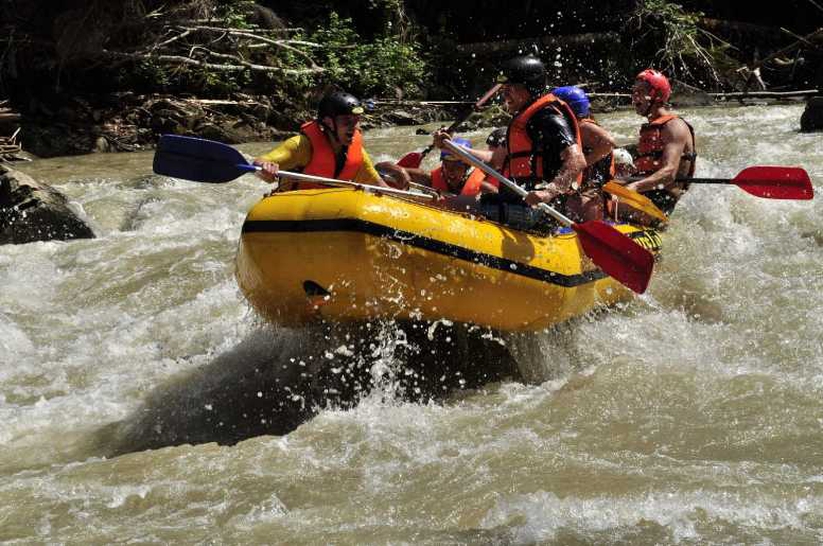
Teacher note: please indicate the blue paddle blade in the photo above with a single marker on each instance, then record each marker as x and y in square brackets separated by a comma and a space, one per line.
[199, 160]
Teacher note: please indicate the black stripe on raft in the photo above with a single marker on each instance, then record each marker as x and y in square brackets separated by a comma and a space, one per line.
[425, 243]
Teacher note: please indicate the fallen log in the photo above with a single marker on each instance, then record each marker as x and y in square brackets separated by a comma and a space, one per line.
[766, 94]
[575, 40]
[240, 67]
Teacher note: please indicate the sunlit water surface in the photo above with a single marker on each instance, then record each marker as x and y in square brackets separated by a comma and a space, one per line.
[692, 415]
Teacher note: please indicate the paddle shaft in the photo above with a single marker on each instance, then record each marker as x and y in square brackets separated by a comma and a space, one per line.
[461, 152]
[480, 102]
[686, 180]
[300, 177]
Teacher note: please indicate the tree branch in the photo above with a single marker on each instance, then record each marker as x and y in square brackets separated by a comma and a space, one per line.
[243, 65]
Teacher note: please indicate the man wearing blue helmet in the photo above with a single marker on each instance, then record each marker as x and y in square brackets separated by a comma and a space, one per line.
[588, 203]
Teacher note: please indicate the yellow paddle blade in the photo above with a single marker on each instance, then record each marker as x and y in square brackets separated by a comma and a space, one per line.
[635, 200]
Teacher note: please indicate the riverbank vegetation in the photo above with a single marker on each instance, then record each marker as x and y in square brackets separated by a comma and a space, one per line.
[113, 74]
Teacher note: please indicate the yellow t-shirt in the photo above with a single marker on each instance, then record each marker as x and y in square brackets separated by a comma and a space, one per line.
[295, 153]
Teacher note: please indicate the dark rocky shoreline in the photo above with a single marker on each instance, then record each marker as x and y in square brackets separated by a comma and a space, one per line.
[125, 122]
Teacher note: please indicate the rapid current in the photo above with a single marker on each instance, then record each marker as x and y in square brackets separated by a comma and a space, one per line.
[133, 378]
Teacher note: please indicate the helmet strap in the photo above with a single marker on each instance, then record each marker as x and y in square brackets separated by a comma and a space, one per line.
[331, 131]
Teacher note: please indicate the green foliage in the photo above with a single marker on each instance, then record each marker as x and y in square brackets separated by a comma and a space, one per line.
[235, 12]
[217, 84]
[686, 48]
[145, 76]
[368, 68]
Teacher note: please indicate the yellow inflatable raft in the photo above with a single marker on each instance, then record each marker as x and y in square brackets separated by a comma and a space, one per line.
[341, 254]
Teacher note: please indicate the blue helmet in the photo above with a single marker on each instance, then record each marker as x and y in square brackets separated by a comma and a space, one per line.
[575, 97]
[445, 154]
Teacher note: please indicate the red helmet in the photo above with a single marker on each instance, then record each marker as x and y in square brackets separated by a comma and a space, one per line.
[659, 84]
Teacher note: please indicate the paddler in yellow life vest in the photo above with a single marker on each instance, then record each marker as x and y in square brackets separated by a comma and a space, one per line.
[666, 150]
[543, 151]
[330, 146]
[588, 203]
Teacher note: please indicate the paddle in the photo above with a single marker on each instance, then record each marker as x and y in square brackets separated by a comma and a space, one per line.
[412, 160]
[771, 182]
[635, 200]
[613, 252]
[202, 160]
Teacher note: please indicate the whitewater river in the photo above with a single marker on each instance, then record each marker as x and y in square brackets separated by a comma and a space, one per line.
[692, 415]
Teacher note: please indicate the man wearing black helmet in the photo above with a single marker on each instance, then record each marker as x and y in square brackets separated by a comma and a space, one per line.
[543, 151]
[330, 146]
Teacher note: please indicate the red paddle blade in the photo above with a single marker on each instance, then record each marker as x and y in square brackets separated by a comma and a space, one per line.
[616, 254]
[411, 160]
[775, 182]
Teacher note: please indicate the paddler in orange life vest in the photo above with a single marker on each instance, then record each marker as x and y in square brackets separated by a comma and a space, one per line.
[452, 176]
[492, 156]
[457, 182]
[598, 144]
[543, 152]
[330, 146]
[666, 151]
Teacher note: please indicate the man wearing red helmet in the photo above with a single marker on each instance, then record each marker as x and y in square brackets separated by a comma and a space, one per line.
[666, 150]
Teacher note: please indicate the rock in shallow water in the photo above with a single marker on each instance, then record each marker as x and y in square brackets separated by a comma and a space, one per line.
[31, 211]
[812, 118]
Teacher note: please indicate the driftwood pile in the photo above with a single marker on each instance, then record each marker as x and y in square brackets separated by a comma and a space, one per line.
[213, 45]
[9, 130]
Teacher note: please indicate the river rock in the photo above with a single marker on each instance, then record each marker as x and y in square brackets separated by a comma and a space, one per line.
[812, 118]
[687, 96]
[31, 211]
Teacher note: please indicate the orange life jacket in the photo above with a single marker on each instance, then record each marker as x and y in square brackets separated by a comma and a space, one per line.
[470, 187]
[524, 163]
[603, 170]
[650, 147]
[322, 156]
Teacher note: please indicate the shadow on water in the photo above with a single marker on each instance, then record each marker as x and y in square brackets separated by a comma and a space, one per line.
[277, 379]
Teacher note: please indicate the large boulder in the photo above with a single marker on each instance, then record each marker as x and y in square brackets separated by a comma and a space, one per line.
[812, 118]
[31, 211]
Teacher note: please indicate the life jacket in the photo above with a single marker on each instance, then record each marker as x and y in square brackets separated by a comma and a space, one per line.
[650, 147]
[524, 162]
[600, 172]
[470, 187]
[323, 161]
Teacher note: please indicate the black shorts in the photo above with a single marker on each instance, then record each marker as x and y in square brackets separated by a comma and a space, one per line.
[518, 215]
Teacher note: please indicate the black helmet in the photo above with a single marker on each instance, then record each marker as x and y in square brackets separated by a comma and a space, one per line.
[526, 70]
[338, 103]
